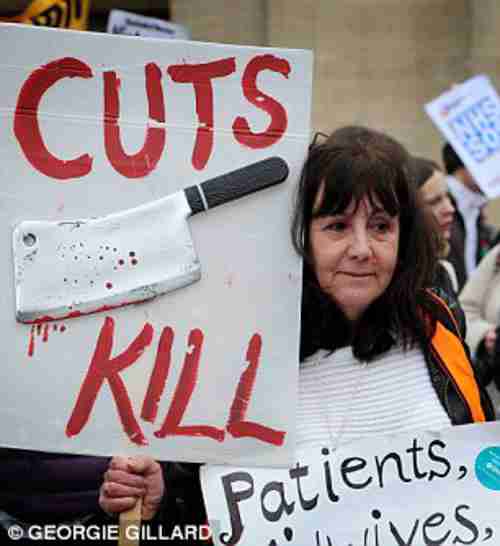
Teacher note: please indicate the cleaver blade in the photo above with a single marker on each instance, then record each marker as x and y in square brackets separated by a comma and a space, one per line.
[72, 268]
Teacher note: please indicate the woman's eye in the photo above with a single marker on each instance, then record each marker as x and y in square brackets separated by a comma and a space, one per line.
[382, 227]
[336, 226]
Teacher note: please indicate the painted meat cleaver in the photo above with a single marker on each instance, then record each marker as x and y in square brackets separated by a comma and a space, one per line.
[66, 269]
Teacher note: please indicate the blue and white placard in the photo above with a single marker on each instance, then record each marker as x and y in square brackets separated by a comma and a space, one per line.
[468, 116]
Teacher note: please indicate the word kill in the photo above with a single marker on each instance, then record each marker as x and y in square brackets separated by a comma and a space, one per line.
[104, 368]
[201, 76]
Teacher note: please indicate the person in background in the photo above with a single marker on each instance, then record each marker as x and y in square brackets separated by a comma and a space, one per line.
[480, 299]
[375, 338]
[433, 191]
[471, 237]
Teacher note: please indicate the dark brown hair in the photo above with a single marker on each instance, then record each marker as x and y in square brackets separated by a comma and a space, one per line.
[423, 169]
[452, 161]
[349, 164]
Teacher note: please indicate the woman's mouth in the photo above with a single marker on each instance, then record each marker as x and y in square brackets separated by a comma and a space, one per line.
[356, 274]
[446, 228]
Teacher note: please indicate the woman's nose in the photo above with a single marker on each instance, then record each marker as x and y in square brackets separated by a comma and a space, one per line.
[446, 211]
[449, 205]
[359, 247]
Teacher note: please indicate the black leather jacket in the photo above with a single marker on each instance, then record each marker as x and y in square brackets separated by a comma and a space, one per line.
[486, 238]
[449, 394]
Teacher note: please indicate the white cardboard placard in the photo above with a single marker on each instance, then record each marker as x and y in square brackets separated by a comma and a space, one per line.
[75, 111]
[395, 490]
[133, 24]
[468, 116]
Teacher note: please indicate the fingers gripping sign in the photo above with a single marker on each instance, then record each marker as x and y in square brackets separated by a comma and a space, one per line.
[133, 487]
[152, 474]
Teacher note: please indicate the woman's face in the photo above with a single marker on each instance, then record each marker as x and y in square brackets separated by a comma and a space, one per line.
[435, 196]
[354, 254]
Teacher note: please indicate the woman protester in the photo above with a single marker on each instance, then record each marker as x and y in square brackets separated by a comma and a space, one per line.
[480, 299]
[375, 338]
[433, 191]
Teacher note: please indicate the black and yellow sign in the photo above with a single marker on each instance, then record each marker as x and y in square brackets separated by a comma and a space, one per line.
[54, 13]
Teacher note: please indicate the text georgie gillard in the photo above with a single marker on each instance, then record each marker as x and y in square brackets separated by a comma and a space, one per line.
[108, 532]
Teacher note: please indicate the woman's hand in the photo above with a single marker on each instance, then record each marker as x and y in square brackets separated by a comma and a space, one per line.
[129, 478]
[490, 340]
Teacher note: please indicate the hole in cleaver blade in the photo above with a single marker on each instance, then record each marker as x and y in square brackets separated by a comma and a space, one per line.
[67, 269]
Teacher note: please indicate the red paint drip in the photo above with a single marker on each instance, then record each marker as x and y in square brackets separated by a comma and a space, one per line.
[134, 261]
[54, 327]
[76, 314]
[38, 329]
[158, 376]
[62, 328]
[183, 391]
[109, 285]
[237, 426]
[45, 333]
[31, 346]
[121, 262]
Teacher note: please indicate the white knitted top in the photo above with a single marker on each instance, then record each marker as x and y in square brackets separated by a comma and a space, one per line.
[341, 399]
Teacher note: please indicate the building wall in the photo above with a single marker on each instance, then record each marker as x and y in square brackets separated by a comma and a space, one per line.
[224, 21]
[378, 62]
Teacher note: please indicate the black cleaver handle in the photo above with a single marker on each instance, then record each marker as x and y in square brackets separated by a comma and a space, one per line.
[235, 184]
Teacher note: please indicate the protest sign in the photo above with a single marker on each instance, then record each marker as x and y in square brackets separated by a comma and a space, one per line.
[94, 126]
[468, 116]
[132, 24]
[54, 13]
[433, 488]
